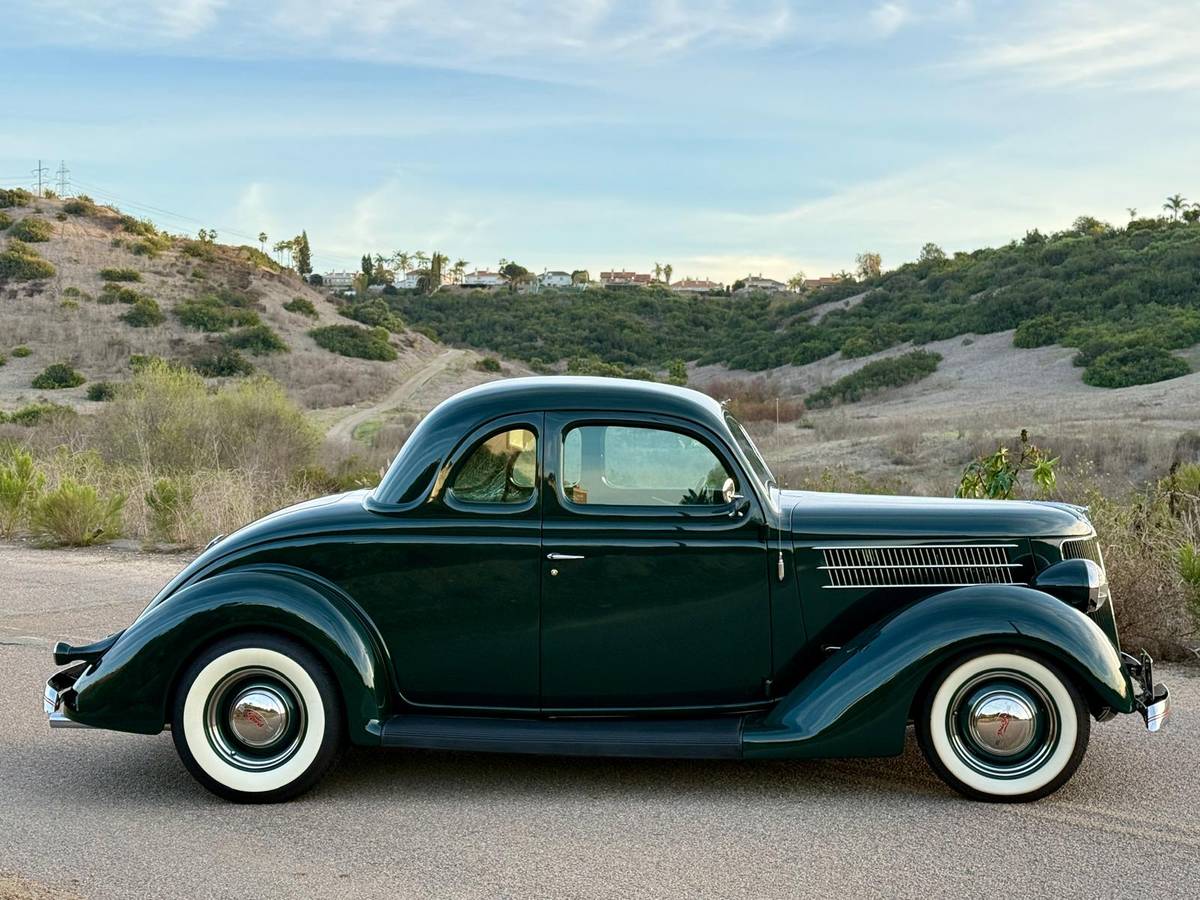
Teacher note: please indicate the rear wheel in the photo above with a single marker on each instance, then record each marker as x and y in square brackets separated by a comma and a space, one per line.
[257, 719]
[1003, 727]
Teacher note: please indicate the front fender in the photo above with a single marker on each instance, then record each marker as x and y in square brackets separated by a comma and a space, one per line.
[857, 701]
[130, 688]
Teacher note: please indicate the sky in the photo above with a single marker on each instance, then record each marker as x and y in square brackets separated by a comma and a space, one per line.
[720, 136]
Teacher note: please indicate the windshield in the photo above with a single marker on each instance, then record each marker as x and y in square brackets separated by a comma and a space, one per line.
[757, 463]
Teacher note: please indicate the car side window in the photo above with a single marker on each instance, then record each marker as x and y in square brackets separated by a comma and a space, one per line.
[626, 465]
[500, 469]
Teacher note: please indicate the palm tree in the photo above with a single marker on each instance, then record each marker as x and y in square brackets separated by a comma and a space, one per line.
[420, 258]
[658, 271]
[796, 282]
[1175, 204]
[667, 270]
[402, 260]
[262, 240]
[459, 269]
[1132, 210]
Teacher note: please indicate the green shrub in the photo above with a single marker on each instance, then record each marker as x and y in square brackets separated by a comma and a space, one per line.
[20, 484]
[32, 229]
[170, 503]
[15, 197]
[80, 206]
[258, 340]
[5, 221]
[120, 274]
[140, 361]
[145, 313]
[260, 259]
[115, 293]
[1134, 365]
[3, 359]
[35, 413]
[301, 306]
[875, 376]
[352, 340]
[140, 227]
[488, 364]
[56, 377]
[217, 311]
[20, 262]
[100, 391]
[997, 476]
[21, 352]
[374, 312]
[222, 364]
[77, 515]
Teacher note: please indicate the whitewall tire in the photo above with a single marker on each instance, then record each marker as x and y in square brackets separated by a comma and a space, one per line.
[257, 719]
[1003, 726]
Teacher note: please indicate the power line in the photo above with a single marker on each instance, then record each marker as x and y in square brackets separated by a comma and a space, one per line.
[38, 173]
[62, 174]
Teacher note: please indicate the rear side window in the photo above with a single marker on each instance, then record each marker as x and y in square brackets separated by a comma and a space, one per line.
[500, 469]
[622, 465]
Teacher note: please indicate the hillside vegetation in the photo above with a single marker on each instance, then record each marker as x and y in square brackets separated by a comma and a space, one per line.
[1125, 297]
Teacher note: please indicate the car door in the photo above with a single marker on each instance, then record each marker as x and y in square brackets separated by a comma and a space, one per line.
[655, 591]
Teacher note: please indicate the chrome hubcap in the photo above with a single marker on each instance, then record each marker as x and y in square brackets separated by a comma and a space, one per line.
[254, 719]
[1002, 724]
[258, 716]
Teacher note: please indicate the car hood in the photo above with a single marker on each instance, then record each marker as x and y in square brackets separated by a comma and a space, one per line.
[343, 512]
[816, 515]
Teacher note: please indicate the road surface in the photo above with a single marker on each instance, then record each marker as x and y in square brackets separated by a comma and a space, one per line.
[108, 815]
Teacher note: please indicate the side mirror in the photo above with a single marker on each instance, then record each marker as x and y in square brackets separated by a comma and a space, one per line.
[729, 490]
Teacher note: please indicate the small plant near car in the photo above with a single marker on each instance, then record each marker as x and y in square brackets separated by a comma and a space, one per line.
[20, 484]
[355, 341]
[20, 262]
[77, 515]
[120, 274]
[101, 391]
[258, 340]
[169, 501]
[997, 476]
[488, 364]
[302, 306]
[32, 229]
[57, 377]
[145, 313]
[1189, 571]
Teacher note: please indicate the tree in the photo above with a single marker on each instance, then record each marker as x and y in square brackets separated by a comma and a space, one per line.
[402, 260]
[796, 282]
[368, 267]
[1090, 226]
[262, 241]
[1132, 210]
[580, 276]
[420, 259]
[868, 265]
[303, 254]
[1193, 214]
[437, 262]
[932, 255]
[516, 274]
[1175, 204]
[658, 270]
[667, 270]
[459, 268]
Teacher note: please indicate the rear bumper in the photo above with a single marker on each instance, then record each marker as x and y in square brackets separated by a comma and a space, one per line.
[1151, 699]
[59, 694]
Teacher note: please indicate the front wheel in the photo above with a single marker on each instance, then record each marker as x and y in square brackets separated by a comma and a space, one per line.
[1003, 727]
[257, 719]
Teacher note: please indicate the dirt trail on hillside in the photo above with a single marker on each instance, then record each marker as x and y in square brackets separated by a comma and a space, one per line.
[404, 392]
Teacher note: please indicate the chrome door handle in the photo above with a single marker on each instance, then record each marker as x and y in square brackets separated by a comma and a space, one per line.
[557, 556]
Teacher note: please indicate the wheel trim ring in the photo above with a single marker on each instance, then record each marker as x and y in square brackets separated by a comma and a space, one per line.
[225, 743]
[975, 754]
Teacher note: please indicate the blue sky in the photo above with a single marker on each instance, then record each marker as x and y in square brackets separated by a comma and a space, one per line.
[722, 137]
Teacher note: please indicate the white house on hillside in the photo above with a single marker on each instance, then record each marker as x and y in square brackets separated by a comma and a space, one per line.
[483, 279]
[555, 279]
[338, 281]
[696, 286]
[758, 283]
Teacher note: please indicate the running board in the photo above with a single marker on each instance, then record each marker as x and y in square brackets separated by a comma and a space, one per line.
[715, 738]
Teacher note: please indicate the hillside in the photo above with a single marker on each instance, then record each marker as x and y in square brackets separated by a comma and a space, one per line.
[120, 289]
[1125, 298]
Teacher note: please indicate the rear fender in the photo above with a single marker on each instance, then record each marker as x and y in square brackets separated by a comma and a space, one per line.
[857, 701]
[131, 686]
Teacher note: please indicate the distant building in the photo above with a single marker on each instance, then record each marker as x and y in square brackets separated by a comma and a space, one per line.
[759, 283]
[813, 284]
[624, 279]
[554, 279]
[483, 279]
[696, 286]
[339, 281]
[411, 280]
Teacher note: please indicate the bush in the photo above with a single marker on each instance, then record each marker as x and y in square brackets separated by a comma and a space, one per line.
[20, 483]
[169, 501]
[217, 311]
[3, 359]
[120, 274]
[35, 413]
[875, 376]
[374, 312]
[20, 262]
[488, 364]
[302, 306]
[5, 221]
[32, 229]
[80, 206]
[259, 340]
[77, 515]
[56, 377]
[115, 293]
[351, 340]
[21, 352]
[100, 391]
[222, 364]
[1134, 365]
[145, 313]
[15, 197]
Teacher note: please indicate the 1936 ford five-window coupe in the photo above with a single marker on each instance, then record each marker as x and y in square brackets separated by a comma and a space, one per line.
[604, 567]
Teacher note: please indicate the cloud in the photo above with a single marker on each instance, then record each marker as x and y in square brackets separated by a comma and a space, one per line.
[888, 18]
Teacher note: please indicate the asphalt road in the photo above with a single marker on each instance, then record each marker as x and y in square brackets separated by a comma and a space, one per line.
[109, 815]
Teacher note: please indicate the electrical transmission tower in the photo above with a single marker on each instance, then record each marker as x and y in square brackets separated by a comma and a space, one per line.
[40, 173]
[62, 174]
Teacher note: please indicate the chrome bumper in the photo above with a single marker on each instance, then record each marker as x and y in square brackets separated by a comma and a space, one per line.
[1154, 701]
[57, 690]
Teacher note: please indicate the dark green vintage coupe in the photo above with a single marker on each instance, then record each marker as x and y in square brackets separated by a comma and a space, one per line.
[603, 567]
